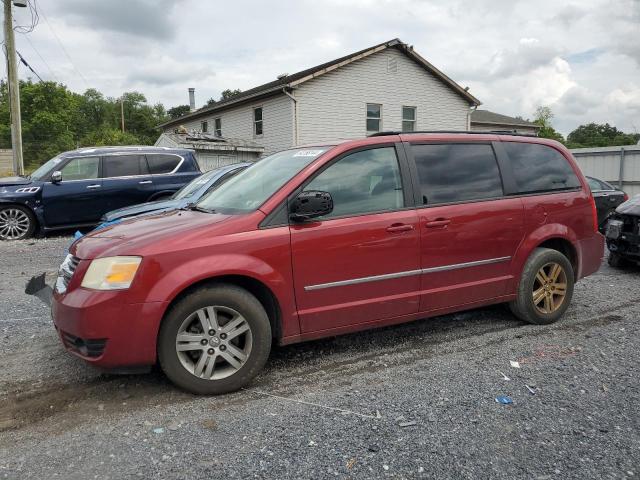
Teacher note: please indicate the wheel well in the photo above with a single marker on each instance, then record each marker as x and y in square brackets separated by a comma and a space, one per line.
[258, 289]
[566, 248]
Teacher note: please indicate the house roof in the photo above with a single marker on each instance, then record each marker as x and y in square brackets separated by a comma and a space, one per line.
[290, 81]
[205, 141]
[492, 118]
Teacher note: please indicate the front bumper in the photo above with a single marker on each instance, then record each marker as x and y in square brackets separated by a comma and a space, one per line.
[105, 331]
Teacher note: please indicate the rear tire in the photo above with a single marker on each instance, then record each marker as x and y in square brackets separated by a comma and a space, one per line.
[214, 340]
[545, 289]
[16, 222]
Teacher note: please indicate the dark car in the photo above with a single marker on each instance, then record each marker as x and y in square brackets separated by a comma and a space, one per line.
[75, 189]
[623, 233]
[607, 198]
[190, 193]
[331, 239]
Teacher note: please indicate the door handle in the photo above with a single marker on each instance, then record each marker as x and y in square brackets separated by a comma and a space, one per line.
[399, 227]
[437, 223]
[145, 182]
[91, 187]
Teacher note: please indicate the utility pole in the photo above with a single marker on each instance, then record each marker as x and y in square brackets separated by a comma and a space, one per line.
[122, 112]
[14, 90]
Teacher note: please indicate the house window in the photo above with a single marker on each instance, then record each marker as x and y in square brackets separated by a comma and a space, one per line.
[257, 121]
[204, 126]
[408, 119]
[374, 117]
[217, 127]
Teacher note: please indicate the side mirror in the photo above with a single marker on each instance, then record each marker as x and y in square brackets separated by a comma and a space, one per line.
[310, 204]
[56, 177]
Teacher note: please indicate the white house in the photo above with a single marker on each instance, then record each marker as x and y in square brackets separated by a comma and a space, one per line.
[382, 88]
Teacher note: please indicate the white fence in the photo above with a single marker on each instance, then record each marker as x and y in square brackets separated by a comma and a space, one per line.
[620, 166]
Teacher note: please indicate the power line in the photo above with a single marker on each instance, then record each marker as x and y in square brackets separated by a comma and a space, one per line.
[28, 66]
[41, 58]
[63, 49]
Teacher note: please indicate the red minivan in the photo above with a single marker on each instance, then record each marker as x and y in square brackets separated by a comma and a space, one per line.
[330, 239]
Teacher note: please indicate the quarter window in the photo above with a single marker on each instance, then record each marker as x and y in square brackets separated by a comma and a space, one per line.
[408, 119]
[159, 163]
[217, 127]
[84, 168]
[204, 126]
[363, 182]
[123, 165]
[457, 172]
[257, 121]
[374, 117]
[539, 168]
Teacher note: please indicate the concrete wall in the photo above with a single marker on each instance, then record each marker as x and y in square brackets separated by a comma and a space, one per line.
[277, 115]
[333, 106]
[604, 163]
[6, 161]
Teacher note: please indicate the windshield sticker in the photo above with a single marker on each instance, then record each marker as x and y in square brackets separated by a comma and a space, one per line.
[308, 153]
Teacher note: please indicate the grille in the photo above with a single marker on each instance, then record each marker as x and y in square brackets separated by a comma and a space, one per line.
[65, 273]
[88, 348]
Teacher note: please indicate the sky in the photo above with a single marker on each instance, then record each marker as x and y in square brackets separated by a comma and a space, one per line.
[582, 59]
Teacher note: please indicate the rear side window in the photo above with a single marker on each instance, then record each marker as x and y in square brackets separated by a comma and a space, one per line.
[457, 172]
[539, 168]
[123, 165]
[159, 163]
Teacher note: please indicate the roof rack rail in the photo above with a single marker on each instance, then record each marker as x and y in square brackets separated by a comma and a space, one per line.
[467, 132]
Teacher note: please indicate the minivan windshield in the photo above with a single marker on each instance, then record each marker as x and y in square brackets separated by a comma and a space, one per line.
[43, 170]
[251, 188]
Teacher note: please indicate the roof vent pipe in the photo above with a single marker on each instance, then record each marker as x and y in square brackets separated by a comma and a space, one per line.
[192, 99]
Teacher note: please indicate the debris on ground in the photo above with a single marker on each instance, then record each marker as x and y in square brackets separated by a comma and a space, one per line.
[531, 390]
[504, 400]
[514, 364]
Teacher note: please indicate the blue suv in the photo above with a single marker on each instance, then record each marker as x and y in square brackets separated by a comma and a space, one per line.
[75, 189]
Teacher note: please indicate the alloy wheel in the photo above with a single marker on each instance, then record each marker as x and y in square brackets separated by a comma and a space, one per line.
[214, 342]
[549, 288]
[14, 223]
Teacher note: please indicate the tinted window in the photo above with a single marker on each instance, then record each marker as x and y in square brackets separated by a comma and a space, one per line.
[81, 169]
[162, 163]
[366, 181]
[539, 168]
[457, 172]
[123, 165]
[594, 184]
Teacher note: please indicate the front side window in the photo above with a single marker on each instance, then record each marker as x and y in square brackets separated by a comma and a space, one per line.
[408, 119]
[363, 182]
[539, 168]
[252, 187]
[457, 172]
[123, 166]
[84, 168]
[159, 163]
[204, 126]
[374, 117]
[257, 121]
[218, 127]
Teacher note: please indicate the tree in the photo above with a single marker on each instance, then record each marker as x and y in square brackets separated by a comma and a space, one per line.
[227, 94]
[543, 117]
[179, 111]
[598, 135]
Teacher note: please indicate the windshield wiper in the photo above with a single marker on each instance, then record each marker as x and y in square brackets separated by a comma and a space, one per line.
[197, 208]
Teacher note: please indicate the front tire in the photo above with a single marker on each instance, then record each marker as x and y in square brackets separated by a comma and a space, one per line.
[545, 289]
[214, 340]
[16, 223]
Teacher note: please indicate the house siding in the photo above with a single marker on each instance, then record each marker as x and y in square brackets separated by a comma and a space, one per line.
[333, 105]
[277, 115]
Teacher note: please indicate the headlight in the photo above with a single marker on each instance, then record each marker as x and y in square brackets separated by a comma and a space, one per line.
[111, 273]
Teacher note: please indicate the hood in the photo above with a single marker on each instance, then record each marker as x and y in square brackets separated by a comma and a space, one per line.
[630, 207]
[10, 181]
[141, 208]
[137, 236]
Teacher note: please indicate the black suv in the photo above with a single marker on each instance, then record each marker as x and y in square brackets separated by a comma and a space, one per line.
[76, 188]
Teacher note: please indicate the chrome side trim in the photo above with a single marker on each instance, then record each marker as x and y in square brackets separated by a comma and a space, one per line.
[355, 281]
[408, 273]
[455, 266]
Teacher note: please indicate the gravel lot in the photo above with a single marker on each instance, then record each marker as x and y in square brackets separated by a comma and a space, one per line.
[414, 401]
